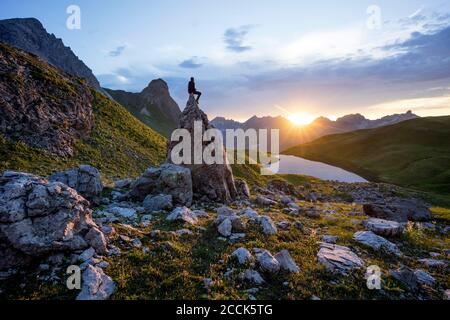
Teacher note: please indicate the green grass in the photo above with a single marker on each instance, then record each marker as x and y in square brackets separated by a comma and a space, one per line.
[119, 145]
[413, 154]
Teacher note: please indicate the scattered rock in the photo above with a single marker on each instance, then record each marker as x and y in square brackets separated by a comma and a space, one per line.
[182, 214]
[383, 227]
[96, 285]
[122, 184]
[286, 262]
[406, 276]
[338, 259]
[86, 255]
[200, 214]
[242, 188]
[242, 255]
[184, 232]
[433, 263]
[400, 210]
[329, 239]
[136, 243]
[39, 218]
[85, 180]
[225, 211]
[124, 213]
[283, 225]
[168, 179]
[263, 201]
[97, 240]
[238, 226]
[424, 277]
[250, 213]
[267, 262]
[225, 227]
[267, 225]
[376, 242]
[252, 276]
[160, 202]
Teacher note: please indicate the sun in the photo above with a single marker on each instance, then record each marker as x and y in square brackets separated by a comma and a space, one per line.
[301, 118]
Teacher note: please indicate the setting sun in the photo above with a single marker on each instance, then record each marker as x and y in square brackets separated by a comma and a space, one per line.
[301, 118]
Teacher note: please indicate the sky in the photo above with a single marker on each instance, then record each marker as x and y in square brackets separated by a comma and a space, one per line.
[298, 59]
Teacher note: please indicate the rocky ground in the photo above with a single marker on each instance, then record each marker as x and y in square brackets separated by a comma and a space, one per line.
[306, 240]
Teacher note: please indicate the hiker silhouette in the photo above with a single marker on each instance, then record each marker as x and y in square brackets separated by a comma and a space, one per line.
[192, 90]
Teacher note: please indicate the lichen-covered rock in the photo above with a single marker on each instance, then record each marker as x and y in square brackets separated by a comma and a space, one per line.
[96, 285]
[38, 218]
[286, 262]
[267, 262]
[383, 227]
[267, 225]
[376, 242]
[214, 181]
[85, 180]
[242, 255]
[167, 179]
[159, 202]
[338, 259]
[400, 210]
[182, 214]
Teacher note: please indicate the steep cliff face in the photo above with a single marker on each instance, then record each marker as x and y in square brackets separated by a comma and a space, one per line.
[153, 106]
[40, 106]
[28, 34]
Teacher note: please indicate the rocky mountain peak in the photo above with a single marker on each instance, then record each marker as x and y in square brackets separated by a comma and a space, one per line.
[30, 35]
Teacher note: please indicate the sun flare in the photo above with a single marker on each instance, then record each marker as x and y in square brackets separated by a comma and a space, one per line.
[301, 118]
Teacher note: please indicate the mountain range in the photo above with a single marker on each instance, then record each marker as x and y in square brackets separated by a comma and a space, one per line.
[292, 134]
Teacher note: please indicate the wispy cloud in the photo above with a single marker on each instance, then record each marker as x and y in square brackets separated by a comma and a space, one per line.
[191, 63]
[117, 51]
[234, 38]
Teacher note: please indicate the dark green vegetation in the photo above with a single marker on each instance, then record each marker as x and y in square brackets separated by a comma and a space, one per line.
[119, 145]
[413, 154]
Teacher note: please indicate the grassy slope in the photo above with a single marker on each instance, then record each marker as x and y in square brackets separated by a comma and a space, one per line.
[156, 120]
[414, 153]
[119, 146]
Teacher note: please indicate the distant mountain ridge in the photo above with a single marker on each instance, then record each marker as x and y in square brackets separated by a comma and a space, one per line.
[291, 134]
[30, 35]
[153, 106]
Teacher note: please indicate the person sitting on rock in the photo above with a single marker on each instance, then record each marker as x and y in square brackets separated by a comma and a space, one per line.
[193, 90]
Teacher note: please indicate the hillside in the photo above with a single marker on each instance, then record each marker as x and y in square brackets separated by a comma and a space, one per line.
[413, 153]
[153, 106]
[115, 142]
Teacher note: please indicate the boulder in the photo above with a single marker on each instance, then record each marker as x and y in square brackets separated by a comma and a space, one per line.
[383, 227]
[167, 179]
[85, 180]
[225, 227]
[338, 259]
[267, 225]
[406, 276]
[161, 202]
[263, 201]
[424, 277]
[242, 255]
[39, 218]
[215, 181]
[267, 262]
[400, 210]
[286, 262]
[252, 276]
[96, 285]
[242, 189]
[249, 213]
[182, 214]
[370, 239]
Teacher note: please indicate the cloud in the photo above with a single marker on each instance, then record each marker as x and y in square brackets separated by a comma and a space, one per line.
[234, 38]
[117, 51]
[191, 63]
